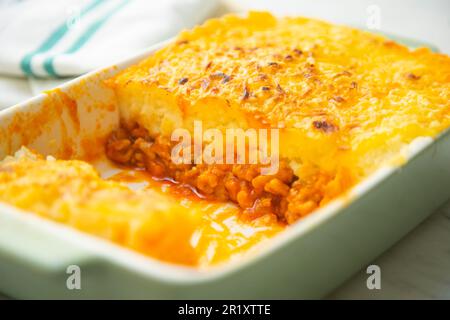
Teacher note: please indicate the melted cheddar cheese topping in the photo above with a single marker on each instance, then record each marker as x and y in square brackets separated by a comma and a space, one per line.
[346, 101]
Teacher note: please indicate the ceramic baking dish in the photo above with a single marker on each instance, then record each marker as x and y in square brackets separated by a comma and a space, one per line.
[308, 260]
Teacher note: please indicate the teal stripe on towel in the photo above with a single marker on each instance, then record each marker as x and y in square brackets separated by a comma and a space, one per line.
[81, 41]
[53, 39]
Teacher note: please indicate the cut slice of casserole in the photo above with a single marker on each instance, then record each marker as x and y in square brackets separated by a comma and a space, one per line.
[152, 220]
[345, 102]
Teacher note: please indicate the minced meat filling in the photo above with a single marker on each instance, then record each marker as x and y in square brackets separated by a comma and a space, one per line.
[280, 196]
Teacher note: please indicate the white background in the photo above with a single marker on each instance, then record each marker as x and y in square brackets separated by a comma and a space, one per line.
[426, 20]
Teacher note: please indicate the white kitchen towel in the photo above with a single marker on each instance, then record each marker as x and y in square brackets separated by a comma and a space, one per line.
[64, 38]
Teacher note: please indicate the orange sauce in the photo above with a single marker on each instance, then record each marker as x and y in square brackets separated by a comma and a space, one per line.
[222, 234]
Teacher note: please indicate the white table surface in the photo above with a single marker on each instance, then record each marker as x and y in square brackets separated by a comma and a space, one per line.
[418, 267]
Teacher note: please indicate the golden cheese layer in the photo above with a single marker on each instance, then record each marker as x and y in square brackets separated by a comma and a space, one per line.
[342, 98]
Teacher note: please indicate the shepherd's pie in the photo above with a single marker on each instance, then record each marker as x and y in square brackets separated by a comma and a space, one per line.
[345, 102]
